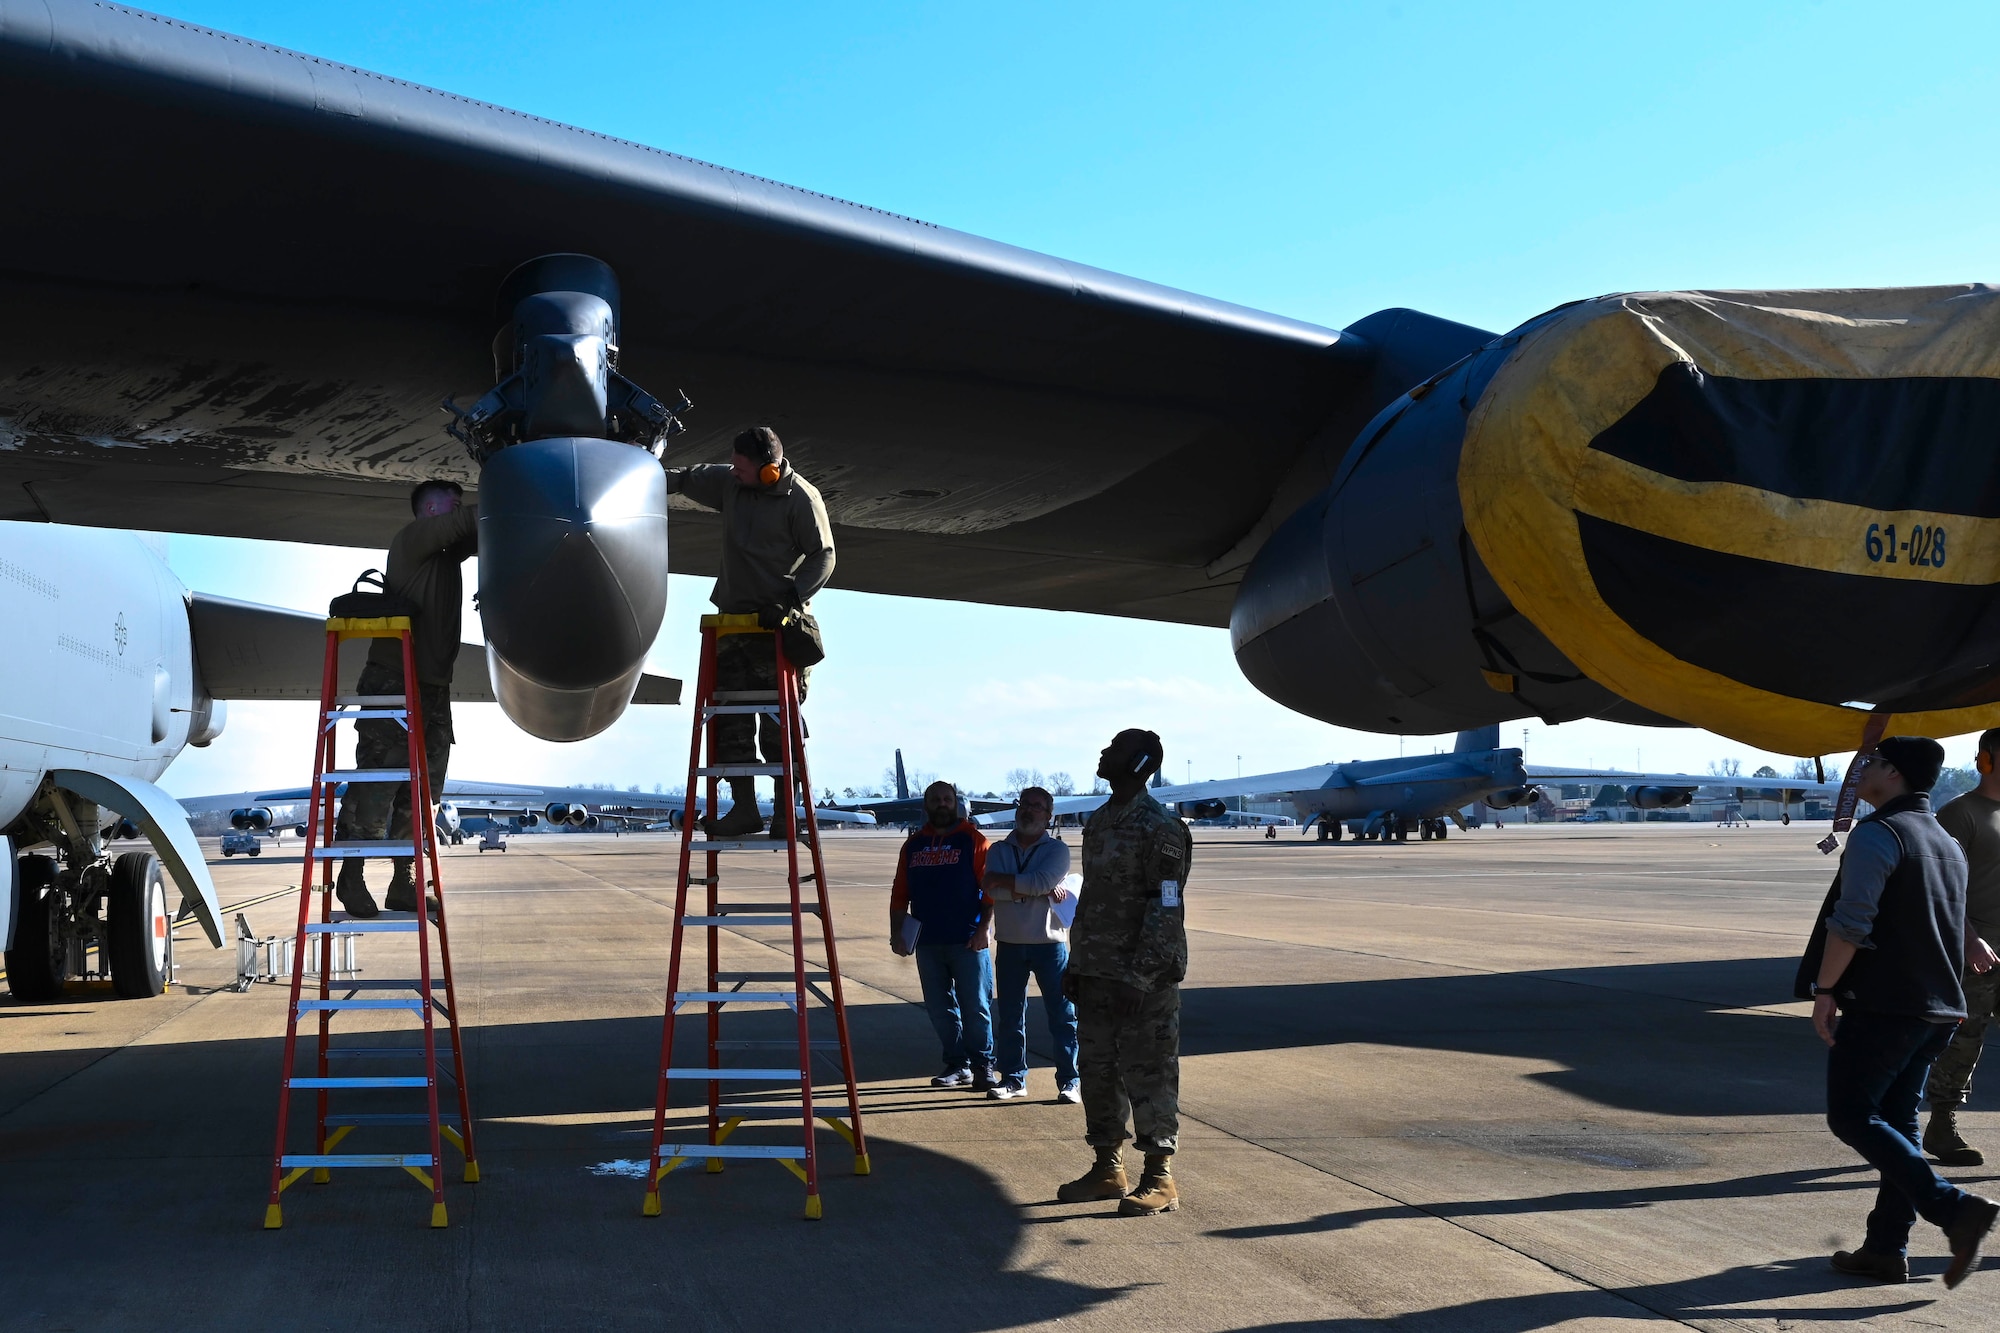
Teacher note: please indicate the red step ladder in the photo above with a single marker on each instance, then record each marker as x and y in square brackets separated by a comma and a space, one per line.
[321, 852]
[795, 988]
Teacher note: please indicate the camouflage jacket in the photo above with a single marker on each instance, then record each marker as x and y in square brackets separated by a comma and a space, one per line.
[1130, 921]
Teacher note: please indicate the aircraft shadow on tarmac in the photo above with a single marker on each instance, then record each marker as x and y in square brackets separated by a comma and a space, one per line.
[160, 1152]
[1662, 1038]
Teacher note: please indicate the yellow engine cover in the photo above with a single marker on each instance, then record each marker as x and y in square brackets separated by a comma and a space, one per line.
[1764, 513]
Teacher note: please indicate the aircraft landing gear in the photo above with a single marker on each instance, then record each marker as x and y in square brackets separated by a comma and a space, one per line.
[138, 930]
[39, 960]
[86, 902]
[1402, 829]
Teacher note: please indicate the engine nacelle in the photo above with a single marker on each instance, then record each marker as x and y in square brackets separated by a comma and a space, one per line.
[1659, 798]
[1211, 809]
[255, 819]
[1513, 796]
[573, 815]
[590, 822]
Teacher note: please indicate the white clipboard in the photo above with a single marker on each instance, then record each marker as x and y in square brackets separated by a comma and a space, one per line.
[1065, 911]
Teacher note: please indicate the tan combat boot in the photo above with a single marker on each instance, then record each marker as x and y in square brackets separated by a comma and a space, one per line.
[1941, 1139]
[1156, 1192]
[742, 821]
[1104, 1180]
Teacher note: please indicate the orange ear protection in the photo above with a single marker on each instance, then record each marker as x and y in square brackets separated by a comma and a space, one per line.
[1983, 762]
[770, 473]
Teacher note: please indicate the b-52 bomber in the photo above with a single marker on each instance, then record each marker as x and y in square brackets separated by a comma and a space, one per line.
[255, 293]
[1387, 799]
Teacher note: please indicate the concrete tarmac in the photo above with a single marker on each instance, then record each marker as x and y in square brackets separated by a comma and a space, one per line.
[1545, 1078]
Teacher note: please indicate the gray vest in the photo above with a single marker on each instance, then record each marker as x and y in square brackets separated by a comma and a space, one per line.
[1919, 931]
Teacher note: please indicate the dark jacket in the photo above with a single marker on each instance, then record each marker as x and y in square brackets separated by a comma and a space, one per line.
[938, 877]
[1916, 943]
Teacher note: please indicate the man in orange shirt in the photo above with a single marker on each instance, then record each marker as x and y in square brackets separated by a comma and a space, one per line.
[939, 912]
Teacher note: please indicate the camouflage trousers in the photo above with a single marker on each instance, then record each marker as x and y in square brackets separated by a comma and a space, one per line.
[1129, 1066]
[748, 662]
[1951, 1074]
[380, 811]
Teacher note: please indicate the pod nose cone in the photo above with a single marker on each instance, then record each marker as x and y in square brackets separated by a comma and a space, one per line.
[572, 579]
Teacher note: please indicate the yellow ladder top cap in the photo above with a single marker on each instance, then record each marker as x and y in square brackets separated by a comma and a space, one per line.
[738, 623]
[371, 627]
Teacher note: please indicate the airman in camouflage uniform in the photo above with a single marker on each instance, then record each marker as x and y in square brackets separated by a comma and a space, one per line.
[1128, 954]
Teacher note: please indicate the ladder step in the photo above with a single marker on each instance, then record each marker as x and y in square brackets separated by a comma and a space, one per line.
[775, 1044]
[361, 1081]
[811, 975]
[737, 710]
[370, 700]
[355, 1159]
[741, 771]
[744, 844]
[415, 1006]
[386, 1052]
[731, 1110]
[395, 1118]
[381, 983]
[365, 775]
[343, 924]
[735, 997]
[725, 908]
[746, 696]
[357, 714]
[342, 850]
[728, 1074]
[738, 920]
[668, 1150]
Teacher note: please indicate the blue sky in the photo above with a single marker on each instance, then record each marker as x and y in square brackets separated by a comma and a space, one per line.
[1477, 161]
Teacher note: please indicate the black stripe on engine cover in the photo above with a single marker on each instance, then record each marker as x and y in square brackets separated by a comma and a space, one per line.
[1926, 444]
[1801, 633]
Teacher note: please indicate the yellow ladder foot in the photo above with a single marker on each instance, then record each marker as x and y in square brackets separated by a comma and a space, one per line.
[274, 1217]
[322, 1175]
[472, 1173]
[652, 1208]
[437, 1215]
[812, 1207]
[715, 1166]
[861, 1167]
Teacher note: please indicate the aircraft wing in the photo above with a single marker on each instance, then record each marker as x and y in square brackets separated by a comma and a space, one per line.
[1251, 784]
[1800, 787]
[249, 651]
[253, 331]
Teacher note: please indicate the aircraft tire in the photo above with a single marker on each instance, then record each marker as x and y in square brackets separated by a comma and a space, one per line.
[36, 963]
[139, 933]
[1402, 831]
[1334, 830]
[1443, 829]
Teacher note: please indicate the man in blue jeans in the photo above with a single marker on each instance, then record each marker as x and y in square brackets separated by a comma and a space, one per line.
[1024, 880]
[1887, 998]
[937, 891]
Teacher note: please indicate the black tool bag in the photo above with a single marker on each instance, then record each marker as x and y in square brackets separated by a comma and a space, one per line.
[370, 602]
[800, 633]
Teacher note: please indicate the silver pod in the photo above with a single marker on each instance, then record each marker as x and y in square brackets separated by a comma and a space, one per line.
[572, 579]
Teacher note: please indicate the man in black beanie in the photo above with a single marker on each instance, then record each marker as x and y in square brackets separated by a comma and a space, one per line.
[1887, 999]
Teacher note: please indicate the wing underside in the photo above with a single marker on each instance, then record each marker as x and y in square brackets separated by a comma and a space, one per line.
[253, 332]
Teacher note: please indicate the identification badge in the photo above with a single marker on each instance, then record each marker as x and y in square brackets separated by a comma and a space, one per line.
[1170, 893]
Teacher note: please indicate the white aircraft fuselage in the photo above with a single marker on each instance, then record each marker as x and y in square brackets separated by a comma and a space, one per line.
[102, 691]
[98, 660]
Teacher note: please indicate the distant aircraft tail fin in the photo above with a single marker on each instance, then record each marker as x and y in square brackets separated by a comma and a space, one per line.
[903, 783]
[1479, 738]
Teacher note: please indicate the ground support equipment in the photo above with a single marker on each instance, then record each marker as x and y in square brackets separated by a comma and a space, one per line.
[317, 932]
[795, 987]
